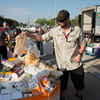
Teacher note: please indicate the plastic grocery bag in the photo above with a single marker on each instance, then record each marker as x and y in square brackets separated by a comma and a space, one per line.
[31, 47]
[20, 44]
[23, 43]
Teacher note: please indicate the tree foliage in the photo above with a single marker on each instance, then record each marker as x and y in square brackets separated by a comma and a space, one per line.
[75, 21]
[42, 21]
[22, 24]
[9, 21]
[51, 22]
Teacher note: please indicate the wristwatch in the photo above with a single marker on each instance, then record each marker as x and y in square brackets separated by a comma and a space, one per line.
[81, 54]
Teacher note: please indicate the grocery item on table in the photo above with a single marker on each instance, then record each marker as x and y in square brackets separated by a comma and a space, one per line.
[22, 85]
[27, 95]
[31, 69]
[17, 73]
[31, 59]
[35, 87]
[7, 63]
[45, 81]
[5, 76]
[54, 73]
[6, 69]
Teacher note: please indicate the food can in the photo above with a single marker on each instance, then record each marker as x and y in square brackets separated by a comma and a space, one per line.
[17, 73]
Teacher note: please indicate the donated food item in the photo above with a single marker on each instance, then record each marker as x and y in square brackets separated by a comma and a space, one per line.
[5, 76]
[7, 63]
[46, 85]
[20, 44]
[6, 69]
[44, 90]
[31, 69]
[20, 65]
[51, 79]
[26, 75]
[17, 61]
[27, 95]
[17, 73]
[19, 86]
[45, 81]
[54, 73]
[35, 87]
[31, 59]
[25, 52]
[16, 95]
[22, 85]
[43, 72]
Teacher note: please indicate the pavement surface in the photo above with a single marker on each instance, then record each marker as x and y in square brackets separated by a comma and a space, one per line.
[92, 78]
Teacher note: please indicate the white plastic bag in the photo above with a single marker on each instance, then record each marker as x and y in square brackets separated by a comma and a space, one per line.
[31, 47]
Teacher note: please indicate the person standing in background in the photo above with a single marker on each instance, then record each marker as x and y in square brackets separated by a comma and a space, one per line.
[3, 48]
[8, 37]
[5, 26]
[13, 32]
[40, 44]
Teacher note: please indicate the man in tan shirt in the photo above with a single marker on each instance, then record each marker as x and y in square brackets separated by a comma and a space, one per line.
[67, 39]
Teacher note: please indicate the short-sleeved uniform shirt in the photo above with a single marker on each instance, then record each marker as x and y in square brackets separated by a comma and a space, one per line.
[11, 32]
[66, 51]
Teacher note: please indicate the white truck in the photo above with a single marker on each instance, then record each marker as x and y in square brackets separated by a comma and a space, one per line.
[89, 21]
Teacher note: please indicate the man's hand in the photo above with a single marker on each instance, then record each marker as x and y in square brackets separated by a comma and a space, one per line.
[77, 59]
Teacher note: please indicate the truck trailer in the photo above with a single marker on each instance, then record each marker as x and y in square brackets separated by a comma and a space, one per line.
[89, 21]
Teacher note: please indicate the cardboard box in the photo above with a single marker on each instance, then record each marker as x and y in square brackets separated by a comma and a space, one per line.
[53, 95]
[90, 49]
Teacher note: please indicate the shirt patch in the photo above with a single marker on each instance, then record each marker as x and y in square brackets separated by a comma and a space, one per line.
[58, 35]
[72, 35]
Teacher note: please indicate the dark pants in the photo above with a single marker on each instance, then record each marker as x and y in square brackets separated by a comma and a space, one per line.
[77, 77]
[3, 51]
[40, 47]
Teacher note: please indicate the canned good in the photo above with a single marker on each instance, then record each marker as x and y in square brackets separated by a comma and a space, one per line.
[7, 69]
[7, 63]
[17, 73]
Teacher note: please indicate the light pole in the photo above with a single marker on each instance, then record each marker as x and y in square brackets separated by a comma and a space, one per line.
[34, 19]
[55, 10]
[28, 21]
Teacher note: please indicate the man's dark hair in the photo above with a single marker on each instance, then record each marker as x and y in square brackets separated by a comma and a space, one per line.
[9, 25]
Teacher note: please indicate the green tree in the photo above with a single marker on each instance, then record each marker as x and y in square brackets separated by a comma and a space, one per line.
[75, 21]
[1, 18]
[9, 21]
[15, 23]
[22, 24]
[52, 22]
[42, 21]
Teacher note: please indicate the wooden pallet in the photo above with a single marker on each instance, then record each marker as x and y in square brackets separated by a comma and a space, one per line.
[88, 53]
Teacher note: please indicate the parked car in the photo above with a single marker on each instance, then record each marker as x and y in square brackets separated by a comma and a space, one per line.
[31, 29]
[22, 28]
